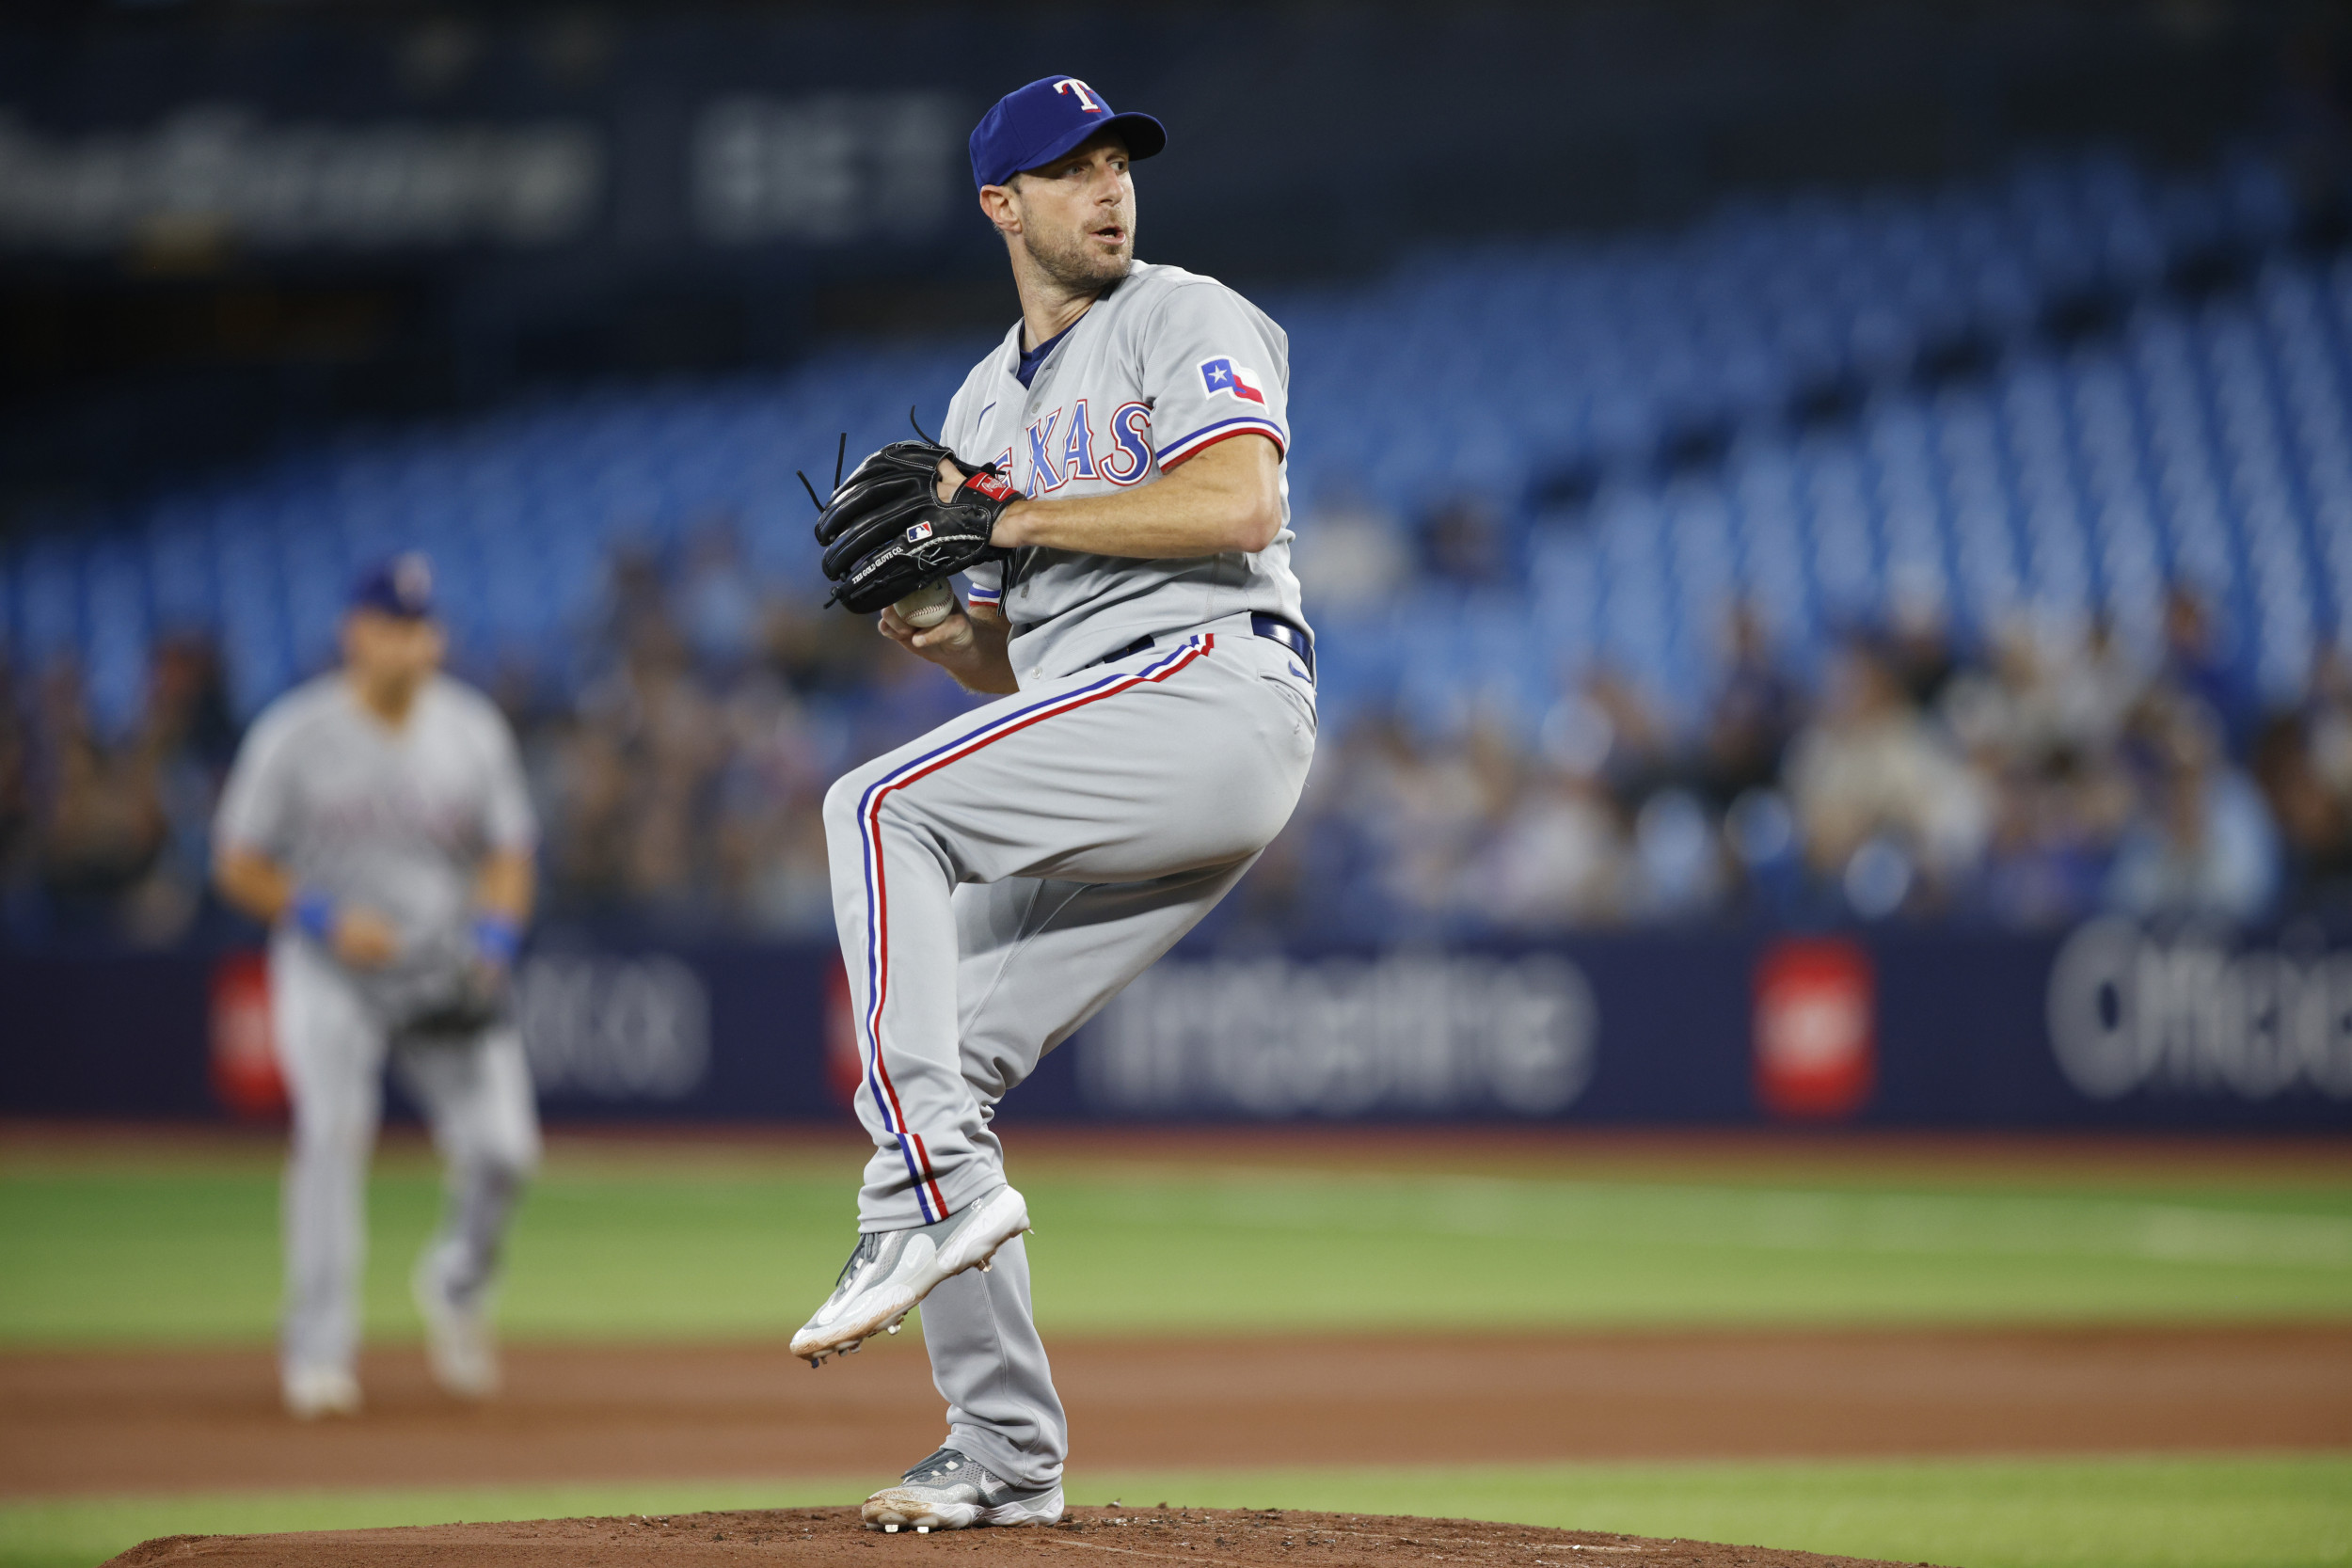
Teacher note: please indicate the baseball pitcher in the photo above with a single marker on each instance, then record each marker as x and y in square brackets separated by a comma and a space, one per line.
[1110, 484]
[377, 819]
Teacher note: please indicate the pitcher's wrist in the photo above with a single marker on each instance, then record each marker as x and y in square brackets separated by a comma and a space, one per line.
[1011, 530]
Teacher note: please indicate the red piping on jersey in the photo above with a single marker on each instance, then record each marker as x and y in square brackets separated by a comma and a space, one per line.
[1170, 464]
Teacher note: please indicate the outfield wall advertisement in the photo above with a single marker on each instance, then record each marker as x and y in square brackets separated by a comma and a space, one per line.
[2109, 1027]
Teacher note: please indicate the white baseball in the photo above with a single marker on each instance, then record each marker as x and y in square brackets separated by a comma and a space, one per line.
[926, 607]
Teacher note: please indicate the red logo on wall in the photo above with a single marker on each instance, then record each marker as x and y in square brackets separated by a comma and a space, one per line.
[1815, 1029]
[244, 1072]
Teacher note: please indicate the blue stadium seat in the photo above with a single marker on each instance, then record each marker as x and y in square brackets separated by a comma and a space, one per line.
[2208, 441]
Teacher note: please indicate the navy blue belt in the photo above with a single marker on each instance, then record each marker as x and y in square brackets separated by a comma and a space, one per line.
[1300, 643]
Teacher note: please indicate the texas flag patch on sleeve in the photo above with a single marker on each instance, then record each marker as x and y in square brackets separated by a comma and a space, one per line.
[1223, 376]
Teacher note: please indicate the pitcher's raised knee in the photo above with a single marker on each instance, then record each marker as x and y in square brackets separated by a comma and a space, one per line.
[842, 800]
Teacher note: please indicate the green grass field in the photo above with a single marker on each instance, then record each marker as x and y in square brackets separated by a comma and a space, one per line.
[626, 1243]
[628, 1246]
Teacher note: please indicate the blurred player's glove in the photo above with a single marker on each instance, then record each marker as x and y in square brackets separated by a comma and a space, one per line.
[476, 1001]
[887, 533]
[448, 985]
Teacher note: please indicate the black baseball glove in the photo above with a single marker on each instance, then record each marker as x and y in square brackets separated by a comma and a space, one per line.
[441, 988]
[887, 533]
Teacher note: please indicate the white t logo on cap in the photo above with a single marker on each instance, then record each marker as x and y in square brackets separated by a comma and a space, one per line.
[1070, 84]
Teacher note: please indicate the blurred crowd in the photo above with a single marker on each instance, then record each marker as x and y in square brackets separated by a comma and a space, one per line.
[679, 765]
[681, 769]
[107, 834]
[2046, 777]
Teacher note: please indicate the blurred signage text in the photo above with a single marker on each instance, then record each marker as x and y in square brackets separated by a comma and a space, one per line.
[2130, 1013]
[1405, 1035]
[220, 174]
[614, 1028]
[825, 170]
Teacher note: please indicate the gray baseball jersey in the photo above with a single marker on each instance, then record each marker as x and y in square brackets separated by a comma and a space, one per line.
[396, 821]
[1160, 369]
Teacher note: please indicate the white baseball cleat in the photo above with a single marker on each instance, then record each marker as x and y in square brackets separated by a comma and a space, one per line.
[459, 1343]
[890, 1272]
[950, 1490]
[311, 1392]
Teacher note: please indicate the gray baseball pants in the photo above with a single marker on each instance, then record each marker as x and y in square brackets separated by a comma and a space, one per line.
[995, 883]
[476, 1096]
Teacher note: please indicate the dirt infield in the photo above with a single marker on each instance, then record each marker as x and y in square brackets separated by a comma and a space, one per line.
[832, 1536]
[92, 1422]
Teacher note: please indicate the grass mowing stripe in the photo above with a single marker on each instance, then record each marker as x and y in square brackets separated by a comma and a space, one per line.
[718, 1251]
[2236, 1512]
[1766, 1219]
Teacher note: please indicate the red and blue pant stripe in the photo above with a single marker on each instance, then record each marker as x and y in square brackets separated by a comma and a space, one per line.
[929, 1197]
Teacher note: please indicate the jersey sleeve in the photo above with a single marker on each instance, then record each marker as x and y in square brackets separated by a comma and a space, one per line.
[257, 802]
[508, 823]
[1213, 369]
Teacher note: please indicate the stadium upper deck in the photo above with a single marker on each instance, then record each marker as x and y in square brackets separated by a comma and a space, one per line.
[2053, 393]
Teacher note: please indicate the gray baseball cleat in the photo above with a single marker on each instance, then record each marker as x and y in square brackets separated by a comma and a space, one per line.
[460, 1345]
[311, 1392]
[890, 1272]
[950, 1490]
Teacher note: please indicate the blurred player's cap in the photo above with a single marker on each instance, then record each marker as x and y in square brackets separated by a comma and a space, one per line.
[1046, 118]
[398, 585]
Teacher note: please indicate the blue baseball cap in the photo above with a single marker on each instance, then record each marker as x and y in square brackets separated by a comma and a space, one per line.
[1039, 122]
[400, 585]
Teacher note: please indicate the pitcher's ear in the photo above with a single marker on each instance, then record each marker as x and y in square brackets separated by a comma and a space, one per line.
[998, 206]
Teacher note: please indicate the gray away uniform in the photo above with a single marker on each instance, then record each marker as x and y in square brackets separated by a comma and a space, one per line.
[397, 822]
[1001, 878]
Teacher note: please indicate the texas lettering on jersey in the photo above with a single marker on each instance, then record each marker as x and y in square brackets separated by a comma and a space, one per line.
[1066, 444]
[1062, 445]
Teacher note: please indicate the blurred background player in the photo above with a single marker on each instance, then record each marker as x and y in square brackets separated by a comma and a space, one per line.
[377, 818]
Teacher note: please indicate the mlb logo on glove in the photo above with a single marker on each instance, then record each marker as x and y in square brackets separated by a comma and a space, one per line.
[919, 532]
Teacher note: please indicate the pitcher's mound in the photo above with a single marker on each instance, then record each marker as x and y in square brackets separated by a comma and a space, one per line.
[834, 1536]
